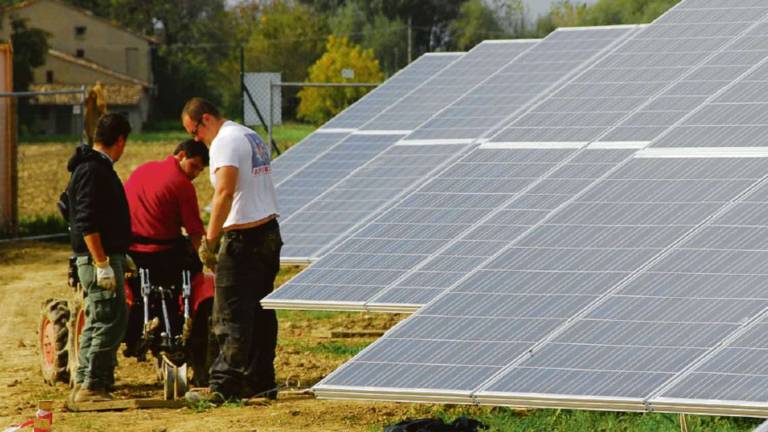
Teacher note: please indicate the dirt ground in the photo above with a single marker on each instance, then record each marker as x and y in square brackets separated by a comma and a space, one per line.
[35, 271]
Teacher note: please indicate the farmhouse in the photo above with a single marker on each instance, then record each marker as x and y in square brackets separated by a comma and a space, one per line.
[85, 49]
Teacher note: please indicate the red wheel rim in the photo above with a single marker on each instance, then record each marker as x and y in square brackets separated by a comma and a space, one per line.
[48, 342]
[79, 324]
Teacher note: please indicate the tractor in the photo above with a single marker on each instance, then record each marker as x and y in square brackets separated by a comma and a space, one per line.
[175, 335]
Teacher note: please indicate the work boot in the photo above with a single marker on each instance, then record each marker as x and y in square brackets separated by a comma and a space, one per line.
[75, 388]
[205, 394]
[90, 395]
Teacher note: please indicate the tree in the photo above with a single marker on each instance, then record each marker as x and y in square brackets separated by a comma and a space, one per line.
[475, 23]
[372, 29]
[193, 38]
[318, 105]
[30, 48]
[605, 12]
[512, 17]
[277, 37]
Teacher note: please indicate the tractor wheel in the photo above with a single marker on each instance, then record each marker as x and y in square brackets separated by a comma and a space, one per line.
[54, 352]
[75, 326]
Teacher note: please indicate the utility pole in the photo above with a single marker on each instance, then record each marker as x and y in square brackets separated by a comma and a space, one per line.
[410, 40]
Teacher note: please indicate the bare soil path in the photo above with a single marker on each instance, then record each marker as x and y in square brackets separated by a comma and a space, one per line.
[34, 271]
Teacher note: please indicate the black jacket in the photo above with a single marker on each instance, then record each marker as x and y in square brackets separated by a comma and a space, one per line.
[97, 203]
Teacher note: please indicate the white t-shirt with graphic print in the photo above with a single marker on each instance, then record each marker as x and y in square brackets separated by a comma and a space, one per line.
[255, 197]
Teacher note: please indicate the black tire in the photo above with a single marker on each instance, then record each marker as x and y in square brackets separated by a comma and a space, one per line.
[201, 347]
[53, 337]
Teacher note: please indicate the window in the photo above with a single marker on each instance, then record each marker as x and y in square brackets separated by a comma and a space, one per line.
[49, 76]
[80, 32]
[80, 53]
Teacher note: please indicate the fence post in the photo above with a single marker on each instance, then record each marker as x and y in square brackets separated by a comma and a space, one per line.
[271, 120]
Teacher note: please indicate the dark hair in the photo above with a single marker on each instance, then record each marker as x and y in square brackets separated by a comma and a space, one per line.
[110, 127]
[193, 149]
[197, 106]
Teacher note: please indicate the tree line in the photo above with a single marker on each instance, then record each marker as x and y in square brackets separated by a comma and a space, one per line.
[200, 42]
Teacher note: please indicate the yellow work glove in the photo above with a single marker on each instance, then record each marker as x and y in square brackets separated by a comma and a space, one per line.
[207, 253]
[130, 266]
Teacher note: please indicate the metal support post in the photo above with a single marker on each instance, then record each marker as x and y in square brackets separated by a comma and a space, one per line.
[271, 120]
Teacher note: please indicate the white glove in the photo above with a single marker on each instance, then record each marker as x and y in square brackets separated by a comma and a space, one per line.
[105, 276]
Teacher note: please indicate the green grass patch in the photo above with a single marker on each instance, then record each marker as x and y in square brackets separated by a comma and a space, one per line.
[39, 225]
[301, 316]
[500, 419]
[285, 135]
[340, 349]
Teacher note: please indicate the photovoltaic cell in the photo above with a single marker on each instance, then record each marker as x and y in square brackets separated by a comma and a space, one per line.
[450, 203]
[617, 89]
[327, 170]
[723, 264]
[476, 114]
[449, 85]
[390, 92]
[307, 163]
[624, 344]
[347, 193]
[639, 289]
[738, 117]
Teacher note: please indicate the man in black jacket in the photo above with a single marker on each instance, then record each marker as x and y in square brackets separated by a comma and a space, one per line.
[100, 231]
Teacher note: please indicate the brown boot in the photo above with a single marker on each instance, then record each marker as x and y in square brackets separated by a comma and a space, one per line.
[88, 395]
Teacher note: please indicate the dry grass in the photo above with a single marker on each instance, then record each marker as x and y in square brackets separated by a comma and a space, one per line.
[43, 172]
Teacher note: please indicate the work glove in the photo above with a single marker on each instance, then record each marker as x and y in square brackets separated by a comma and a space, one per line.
[207, 254]
[105, 276]
[130, 265]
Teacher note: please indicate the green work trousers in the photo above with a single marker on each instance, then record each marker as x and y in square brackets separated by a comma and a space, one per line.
[106, 319]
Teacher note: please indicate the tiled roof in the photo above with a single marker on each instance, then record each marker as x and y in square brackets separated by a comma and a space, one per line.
[115, 94]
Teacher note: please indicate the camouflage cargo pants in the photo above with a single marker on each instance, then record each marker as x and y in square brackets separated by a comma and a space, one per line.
[106, 318]
[246, 333]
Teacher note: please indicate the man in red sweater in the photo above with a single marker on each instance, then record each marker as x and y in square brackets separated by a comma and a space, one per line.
[162, 201]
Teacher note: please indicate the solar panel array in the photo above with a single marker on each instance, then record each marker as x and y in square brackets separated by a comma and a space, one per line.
[376, 180]
[311, 166]
[479, 195]
[613, 278]
[335, 282]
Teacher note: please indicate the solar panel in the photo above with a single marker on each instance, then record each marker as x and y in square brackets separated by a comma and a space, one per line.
[734, 119]
[561, 53]
[599, 306]
[391, 91]
[478, 64]
[372, 182]
[721, 269]
[338, 286]
[560, 317]
[632, 334]
[470, 190]
[307, 163]
[618, 88]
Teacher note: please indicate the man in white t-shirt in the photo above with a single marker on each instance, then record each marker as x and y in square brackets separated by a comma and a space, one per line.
[244, 215]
